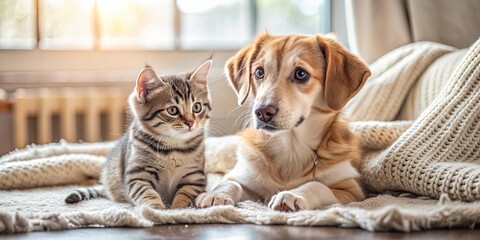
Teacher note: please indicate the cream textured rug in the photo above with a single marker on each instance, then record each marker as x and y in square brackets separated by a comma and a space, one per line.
[436, 157]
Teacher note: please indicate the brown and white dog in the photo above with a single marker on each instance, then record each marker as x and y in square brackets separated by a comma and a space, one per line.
[299, 152]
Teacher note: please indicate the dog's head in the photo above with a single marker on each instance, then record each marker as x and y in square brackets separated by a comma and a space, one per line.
[290, 76]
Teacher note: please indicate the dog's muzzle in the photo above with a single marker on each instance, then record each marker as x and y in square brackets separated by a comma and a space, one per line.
[265, 113]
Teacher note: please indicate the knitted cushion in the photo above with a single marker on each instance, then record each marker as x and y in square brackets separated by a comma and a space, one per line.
[440, 153]
[393, 75]
[430, 84]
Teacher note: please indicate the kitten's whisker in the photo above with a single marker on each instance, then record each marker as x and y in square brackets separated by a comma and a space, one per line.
[219, 129]
[210, 134]
[218, 126]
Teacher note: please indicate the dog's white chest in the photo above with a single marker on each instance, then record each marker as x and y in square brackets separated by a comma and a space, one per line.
[290, 150]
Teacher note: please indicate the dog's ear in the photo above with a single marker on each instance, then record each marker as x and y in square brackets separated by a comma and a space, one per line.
[238, 68]
[345, 73]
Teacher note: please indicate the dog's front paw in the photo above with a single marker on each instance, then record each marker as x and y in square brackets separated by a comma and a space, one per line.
[205, 200]
[287, 202]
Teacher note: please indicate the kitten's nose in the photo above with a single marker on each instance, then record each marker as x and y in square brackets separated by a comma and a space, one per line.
[265, 113]
[189, 124]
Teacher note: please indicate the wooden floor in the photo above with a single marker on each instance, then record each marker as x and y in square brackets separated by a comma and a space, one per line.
[216, 231]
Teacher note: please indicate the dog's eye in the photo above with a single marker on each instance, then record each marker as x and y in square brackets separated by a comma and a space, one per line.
[301, 75]
[172, 110]
[259, 73]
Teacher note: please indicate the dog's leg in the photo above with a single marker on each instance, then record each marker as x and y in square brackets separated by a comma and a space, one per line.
[226, 193]
[313, 195]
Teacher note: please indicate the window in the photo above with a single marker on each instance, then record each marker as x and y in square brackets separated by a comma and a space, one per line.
[66, 24]
[17, 24]
[153, 24]
[219, 23]
[292, 16]
[127, 24]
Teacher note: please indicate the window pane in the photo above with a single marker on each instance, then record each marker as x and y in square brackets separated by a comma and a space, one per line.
[136, 24]
[17, 24]
[214, 23]
[293, 16]
[66, 24]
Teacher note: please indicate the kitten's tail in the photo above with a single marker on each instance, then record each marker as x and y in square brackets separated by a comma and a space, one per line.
[85, 194]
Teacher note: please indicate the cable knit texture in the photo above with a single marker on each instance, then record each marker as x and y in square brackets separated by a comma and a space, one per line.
[415, 169]
[393, 75]
[440, 153]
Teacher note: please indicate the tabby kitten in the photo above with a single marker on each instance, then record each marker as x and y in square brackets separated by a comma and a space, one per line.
[159, 162]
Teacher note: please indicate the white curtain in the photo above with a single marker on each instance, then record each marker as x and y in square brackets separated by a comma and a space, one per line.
[375, 27]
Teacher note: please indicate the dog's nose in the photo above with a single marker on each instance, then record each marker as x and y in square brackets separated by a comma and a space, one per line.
[265, 113]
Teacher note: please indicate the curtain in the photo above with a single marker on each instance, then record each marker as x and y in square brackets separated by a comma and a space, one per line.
[375, 27]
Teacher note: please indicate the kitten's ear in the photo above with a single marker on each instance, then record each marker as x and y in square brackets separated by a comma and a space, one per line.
[200, 75]
[146, 81]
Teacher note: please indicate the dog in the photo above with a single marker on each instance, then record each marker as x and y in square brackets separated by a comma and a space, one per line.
[298, 152]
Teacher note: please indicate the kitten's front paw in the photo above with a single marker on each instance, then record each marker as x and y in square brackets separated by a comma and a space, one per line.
[181, 203]
[205, 200]
[287, 202]
[155, 205]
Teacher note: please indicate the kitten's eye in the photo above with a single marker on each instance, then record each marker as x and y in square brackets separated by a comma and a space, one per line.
[259, 73]
[301, 75]
[172, 110]
[197, 107]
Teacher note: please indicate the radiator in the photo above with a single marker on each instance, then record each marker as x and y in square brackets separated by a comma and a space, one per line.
[74, 114]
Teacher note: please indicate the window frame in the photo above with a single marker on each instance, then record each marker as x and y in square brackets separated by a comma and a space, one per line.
[177, 46]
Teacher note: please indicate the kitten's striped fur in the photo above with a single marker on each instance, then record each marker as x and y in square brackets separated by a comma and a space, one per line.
[159, 162]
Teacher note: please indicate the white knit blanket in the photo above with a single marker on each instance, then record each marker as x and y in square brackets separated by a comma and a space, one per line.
[436, 157]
